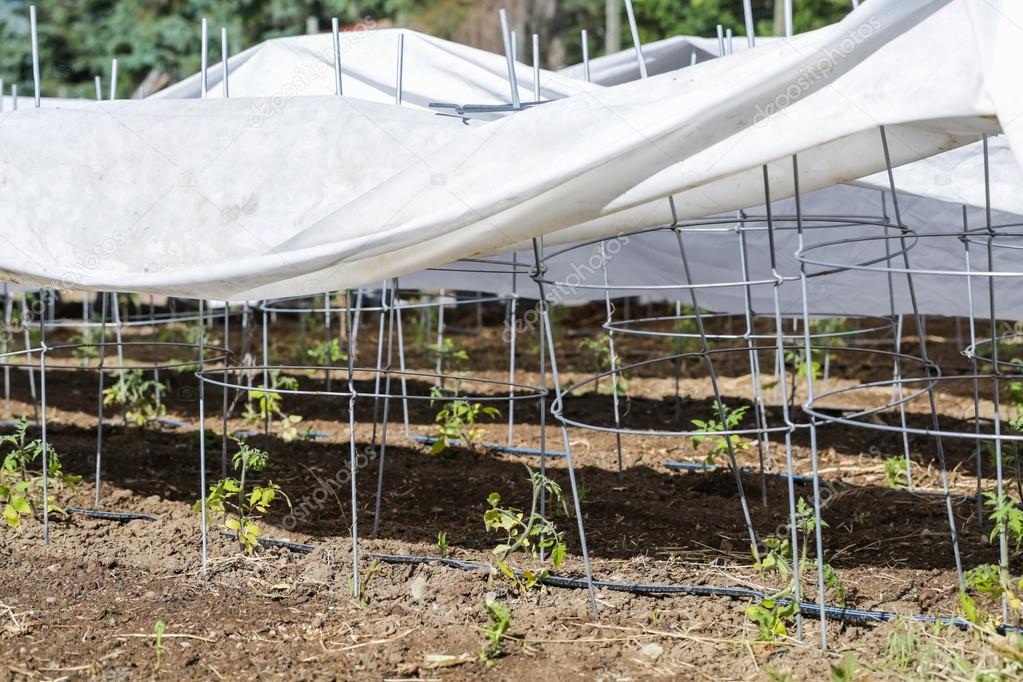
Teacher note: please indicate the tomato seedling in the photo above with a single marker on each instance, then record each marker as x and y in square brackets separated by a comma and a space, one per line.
[458, 421]
[137, 397]
[264, 404]
[531, 533]
[719, 443]
[602, 359]
[326, 354]
[20, 483]
[772, 613]
[894, 472]
[241, 509]
[496, 632]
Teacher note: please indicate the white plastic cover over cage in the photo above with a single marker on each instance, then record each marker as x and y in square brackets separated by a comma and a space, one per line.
[254, 197]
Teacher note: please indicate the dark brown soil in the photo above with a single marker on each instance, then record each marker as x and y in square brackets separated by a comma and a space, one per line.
[86, 604]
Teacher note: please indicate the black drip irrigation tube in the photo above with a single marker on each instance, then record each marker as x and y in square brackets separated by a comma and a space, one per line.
[705, 468]
[840, 613]
[110, 515]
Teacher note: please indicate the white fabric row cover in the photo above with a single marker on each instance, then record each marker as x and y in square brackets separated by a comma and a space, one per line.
[285, 195]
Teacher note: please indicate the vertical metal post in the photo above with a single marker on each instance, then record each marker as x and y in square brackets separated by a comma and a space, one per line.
[536, 68]
[352, 454]
[747, 13]
[634, 28]
[335, 32]
[940, 449]
[780, 349]
[99, 396]
[223, 62]
[586, 55]
[548, 334]
[35, 58]
[202, 444]
[814, 461]
[203, 58]
[510, 58]
[400, 71]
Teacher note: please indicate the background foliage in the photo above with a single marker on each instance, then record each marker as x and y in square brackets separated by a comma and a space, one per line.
[157, 41]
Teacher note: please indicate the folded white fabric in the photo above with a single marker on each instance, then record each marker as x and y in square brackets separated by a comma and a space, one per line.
[254, 197]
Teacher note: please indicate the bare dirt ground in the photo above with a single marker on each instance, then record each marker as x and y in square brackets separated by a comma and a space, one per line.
[87, 604]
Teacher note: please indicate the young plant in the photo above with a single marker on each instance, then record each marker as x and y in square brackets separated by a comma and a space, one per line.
[20, 483]
[326, 354]
[158, 631]
[772, 613]
[894, 472]
[719, 444]
[496, 632]
[602, 359]
[771, 616]
[991, 584]
[88, 340]
[241, 509]
[374, 568]
[1007, 518]
[458, 422]
[137, 397]
[450, 355]
[442, 543]
[531, 533]
[264, 404]
[801, 369]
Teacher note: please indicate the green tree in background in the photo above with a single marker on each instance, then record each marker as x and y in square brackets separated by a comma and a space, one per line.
[156, 42]
[79, 38]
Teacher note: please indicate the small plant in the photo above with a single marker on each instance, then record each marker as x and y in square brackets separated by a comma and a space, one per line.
[894, 472]
[991, 584]
[450, 355]
[770, 616]
[442, 543]
[602, 359]
[1007, 518]
[20, 484]
[845, 670]
[240, 509]
[720, 444]
[158, 631]
[496, 632]
[373, 569]
[87, 340]
[531, 533]
[264, 403]
[772, 613]
[458, 421]
[326, 354]
[137, 396]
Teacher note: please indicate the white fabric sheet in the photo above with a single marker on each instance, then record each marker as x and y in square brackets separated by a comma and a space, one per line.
[272, 196]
